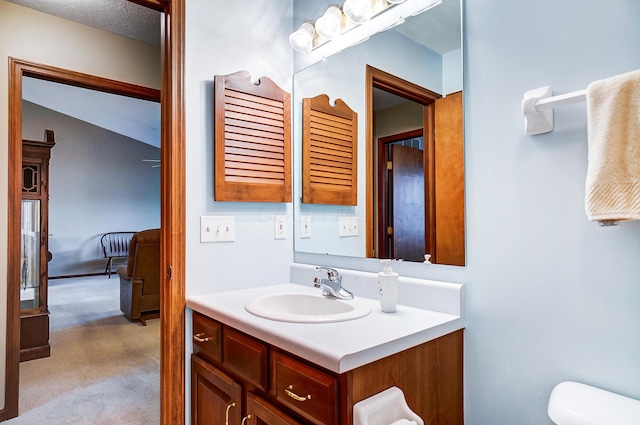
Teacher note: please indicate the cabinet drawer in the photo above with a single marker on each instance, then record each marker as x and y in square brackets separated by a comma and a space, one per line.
[207, 337]
[246, 357]
[308, 391]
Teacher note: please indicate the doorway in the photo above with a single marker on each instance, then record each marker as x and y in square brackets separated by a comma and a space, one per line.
[172, 263]
[381, 216]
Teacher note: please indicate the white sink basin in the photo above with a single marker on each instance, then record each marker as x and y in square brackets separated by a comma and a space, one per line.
[307, 308]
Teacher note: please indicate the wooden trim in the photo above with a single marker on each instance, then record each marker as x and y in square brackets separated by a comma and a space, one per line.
[173, 221]
[430, 180]
[158, 5]
[376, 78]
[370, 165]
[13, 244]
[78, 79]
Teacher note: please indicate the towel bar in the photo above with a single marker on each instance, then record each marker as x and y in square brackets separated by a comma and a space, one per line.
[538, 104]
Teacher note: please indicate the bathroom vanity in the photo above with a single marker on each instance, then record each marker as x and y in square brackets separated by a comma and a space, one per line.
[251, 370]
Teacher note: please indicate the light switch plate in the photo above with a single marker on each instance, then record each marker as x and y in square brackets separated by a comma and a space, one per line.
[305, 226]
[348, 226]
[217, 229]
[280, 227]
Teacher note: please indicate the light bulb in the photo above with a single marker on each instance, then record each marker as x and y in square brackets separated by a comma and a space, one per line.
[302, 39]
[328, 25]
[358, 11]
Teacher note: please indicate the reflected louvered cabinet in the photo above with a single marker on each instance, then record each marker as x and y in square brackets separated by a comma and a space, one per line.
[329, 152]
[252, 140]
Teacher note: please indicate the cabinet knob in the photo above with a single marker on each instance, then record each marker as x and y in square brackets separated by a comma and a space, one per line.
[244, 420]
[296, 397]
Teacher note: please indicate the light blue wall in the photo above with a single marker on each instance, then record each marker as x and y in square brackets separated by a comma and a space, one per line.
[223, 38]
[98, 183]
[452, 77]
[550, 296]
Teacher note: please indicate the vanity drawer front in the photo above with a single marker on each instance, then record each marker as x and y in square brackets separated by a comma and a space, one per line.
[207, 336]
[308, 391]
[246, 357]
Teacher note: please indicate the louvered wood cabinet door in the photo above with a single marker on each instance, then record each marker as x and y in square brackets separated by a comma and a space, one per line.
[252, 153]
[329, 152]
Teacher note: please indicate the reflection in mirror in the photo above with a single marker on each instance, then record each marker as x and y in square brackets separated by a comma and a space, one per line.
[415, 202]
[435, 69]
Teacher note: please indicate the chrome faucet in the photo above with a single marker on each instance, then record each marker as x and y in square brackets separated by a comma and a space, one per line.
[332, 285]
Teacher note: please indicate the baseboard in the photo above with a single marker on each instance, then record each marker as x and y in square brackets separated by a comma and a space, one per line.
[35, 353]
[78, 275]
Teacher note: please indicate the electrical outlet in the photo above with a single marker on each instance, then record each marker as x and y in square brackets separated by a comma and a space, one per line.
[305, 226]
[280, 227]
[217, 229]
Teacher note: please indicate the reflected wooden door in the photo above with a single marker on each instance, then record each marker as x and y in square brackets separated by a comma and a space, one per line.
[449, 181]
[406, 208]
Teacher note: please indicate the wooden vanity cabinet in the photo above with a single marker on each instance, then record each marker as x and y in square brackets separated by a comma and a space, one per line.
[216, 398]
[240, 380]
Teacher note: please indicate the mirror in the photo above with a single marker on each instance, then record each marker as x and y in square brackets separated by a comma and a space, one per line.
[379, 79]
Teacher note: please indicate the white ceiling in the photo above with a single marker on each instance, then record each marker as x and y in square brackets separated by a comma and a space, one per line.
[117, 16]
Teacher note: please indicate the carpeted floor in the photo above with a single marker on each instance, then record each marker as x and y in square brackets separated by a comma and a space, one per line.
[103, 368]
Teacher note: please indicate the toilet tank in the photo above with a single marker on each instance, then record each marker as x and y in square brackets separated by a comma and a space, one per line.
[573, 403]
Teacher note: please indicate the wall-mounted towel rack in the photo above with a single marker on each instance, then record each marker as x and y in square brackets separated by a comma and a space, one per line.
[538, 104]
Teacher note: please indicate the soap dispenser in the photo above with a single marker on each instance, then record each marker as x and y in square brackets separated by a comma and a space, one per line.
[388, 285]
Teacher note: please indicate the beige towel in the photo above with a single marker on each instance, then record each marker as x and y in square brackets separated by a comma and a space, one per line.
[613, 172]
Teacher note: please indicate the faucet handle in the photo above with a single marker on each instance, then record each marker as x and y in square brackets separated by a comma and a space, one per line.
[331, 273]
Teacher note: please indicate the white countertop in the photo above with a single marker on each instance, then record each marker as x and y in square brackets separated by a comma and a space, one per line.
[340, 346]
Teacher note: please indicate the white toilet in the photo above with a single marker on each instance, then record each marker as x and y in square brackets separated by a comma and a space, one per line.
[572, 403]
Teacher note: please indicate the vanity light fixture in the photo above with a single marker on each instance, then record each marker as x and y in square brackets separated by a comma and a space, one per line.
[358, 11]
[358, 20]
[302, 38]
[329, 25]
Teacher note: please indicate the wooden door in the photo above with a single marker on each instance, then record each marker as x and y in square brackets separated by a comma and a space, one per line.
[406, 209]
[449, 181]
[216, 399]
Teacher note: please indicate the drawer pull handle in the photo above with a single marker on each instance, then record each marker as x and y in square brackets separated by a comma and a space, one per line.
[244, 420]
[296, 397]
[199, 338]
[226, 416]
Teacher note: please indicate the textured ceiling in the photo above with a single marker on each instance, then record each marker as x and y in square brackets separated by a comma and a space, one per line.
[117, 16]
[439, 29]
